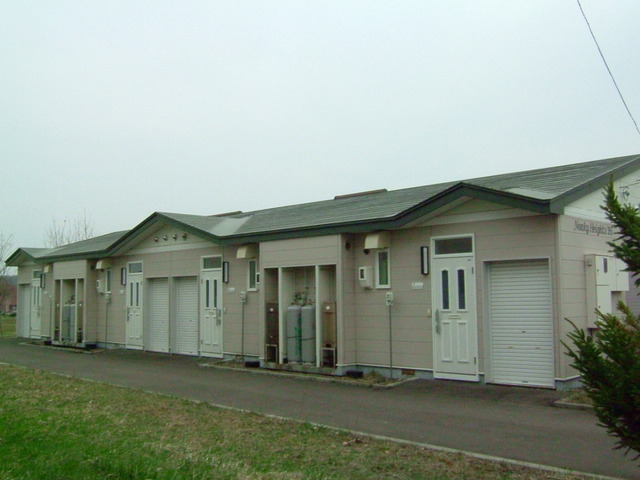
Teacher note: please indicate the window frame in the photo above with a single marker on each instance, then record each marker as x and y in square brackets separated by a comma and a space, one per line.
[379, 284]
[435, 240]
[210, 269]
[108, 278]
[256, 275]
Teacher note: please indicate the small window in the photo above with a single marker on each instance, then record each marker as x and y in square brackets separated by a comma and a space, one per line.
[135, 267]
[107, 281]
[383, 277]
[207, 294]
[462, 293]
[211, 262]
[254, 277]
[37, 273]
[452, 246]
[445, 290]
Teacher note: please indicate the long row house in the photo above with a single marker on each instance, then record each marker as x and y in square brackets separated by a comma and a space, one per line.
[467, 280]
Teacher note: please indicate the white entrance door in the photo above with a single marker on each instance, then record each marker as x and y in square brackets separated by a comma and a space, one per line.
[211, 313]
[186, 294]
[36, 308]
[134, 306]
[454, 318]
[158, 315]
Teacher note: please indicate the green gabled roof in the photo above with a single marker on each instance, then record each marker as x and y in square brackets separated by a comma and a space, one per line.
[544, 190]
[91, 248]
[534, 190]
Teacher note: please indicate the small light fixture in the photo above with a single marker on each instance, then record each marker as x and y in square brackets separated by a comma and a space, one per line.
[155, 239]
[165, 238]
[175, 236]
[184, 235]
[424, 260]
[225, 272]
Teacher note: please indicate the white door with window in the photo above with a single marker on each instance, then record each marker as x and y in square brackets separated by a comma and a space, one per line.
[454, 320]
[36, 308]
[134, 306]
[211, 313]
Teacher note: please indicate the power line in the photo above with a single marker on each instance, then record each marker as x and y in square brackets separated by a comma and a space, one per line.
[608, 69]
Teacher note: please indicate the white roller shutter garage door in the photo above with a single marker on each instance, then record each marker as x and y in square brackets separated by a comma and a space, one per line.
[187, 315]
[521, 324]
[159, 315]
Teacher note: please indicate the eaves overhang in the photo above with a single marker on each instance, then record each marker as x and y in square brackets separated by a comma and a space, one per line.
[18, 257]
[559, 203]
[422, 209]
[128, 241]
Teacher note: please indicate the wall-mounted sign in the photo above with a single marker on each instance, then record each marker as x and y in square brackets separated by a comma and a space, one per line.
[594, 228]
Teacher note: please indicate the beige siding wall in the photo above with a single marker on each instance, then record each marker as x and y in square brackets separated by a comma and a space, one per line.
[25, 274]
[346, 301]
[180, 260]
[71, 269]
[573, 244]
[300, 252]
[520, 238]
[411, 326]
[514, 239]
[110, 313]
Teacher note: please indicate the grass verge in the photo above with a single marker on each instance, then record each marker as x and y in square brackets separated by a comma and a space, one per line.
[54, 427]
[577, 397]
[7, 326]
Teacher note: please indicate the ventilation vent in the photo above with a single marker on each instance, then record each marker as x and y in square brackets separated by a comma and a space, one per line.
[360, 194]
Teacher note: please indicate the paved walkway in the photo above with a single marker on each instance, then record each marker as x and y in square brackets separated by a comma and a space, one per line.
[508, 422]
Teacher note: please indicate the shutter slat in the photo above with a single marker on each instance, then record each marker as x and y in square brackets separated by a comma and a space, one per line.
[521, 323]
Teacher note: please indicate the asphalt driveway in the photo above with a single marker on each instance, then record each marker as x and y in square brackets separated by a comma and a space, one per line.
[508, 422]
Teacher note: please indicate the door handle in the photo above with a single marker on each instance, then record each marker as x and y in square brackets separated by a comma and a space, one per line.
[438, 321]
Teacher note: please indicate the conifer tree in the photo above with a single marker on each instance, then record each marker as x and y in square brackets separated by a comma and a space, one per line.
[609, 360]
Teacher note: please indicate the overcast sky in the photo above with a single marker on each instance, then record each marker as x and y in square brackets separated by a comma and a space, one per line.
[119, 109]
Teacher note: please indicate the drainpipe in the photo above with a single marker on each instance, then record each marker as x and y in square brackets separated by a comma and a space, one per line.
[389, 301]
[107, 300]
[243, 300]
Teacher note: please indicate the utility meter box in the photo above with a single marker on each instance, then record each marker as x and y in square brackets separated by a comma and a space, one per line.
[99, 286]
[605, 275]
[365, 277]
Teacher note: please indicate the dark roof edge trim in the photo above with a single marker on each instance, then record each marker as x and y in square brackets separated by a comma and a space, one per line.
[558, 203]
[430, 205]
[151, 220]
[16, 255]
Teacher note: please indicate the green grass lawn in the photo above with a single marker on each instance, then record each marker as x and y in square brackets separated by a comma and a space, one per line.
[55, 427]
[7, 326]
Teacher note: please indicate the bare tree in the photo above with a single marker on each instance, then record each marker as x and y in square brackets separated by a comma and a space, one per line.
[69, 231]
[6, 284]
